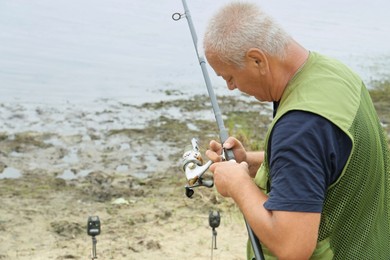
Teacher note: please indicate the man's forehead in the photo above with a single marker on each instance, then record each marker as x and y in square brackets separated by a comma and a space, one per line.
[214, 60]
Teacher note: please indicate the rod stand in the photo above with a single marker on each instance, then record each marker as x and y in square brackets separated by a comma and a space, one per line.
[93, 250]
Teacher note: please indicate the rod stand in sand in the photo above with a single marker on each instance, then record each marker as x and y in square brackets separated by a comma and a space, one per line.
[93, 250]
[223, 134]
[214, 221]
[93, 229]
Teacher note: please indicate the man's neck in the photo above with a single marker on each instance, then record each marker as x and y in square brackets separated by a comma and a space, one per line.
[294, 60]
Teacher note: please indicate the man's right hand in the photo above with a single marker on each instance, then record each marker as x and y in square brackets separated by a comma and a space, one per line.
[214, 153]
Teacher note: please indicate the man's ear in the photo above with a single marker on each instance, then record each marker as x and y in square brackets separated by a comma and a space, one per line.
[258, 59]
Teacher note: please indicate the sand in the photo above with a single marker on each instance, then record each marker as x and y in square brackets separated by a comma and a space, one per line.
[61, 164]
[120, 162]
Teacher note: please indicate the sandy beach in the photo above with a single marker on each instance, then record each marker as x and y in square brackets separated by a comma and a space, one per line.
[60, 165]
[120, 162]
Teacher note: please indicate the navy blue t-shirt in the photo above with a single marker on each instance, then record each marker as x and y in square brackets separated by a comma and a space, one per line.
[307, 153]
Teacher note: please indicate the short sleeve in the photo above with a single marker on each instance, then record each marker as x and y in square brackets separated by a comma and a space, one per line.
[306, 154]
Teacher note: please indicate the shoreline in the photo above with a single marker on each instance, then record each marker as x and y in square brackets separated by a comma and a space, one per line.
[126, 170]
[111, 162]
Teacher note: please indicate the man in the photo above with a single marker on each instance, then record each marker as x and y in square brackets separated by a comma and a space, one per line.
[321, 188]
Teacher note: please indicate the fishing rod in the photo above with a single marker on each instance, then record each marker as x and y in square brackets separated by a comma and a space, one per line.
[192, 160]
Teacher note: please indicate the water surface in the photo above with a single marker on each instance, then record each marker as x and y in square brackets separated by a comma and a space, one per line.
[78, 51]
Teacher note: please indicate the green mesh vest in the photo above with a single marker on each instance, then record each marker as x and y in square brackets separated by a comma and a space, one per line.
[355, 218]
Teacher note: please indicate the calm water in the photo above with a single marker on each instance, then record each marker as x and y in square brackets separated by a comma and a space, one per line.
[83, 50]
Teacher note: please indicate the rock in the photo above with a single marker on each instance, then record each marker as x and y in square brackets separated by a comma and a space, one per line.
[120, 201]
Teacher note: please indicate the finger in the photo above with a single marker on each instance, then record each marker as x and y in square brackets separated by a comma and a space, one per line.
[213, 156]
[213, 167]
[244, 164]
[230, 143]
[215, 146]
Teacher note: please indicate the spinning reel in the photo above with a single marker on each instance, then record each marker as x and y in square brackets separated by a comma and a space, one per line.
[194, 169]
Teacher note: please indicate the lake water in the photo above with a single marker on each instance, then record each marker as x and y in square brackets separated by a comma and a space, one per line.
[79, 51]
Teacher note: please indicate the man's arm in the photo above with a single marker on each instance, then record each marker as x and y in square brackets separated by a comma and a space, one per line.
[307, 154]
[254, 160]
[289, 235]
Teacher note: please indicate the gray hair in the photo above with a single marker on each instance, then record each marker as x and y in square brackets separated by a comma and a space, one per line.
[239, 26]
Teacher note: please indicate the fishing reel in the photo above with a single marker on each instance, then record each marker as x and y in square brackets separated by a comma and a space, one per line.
[194, 169]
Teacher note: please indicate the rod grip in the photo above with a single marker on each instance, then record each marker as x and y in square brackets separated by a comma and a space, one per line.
[223, 135]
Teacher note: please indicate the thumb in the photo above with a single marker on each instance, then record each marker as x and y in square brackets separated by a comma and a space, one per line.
[229, 143]
[212, 167]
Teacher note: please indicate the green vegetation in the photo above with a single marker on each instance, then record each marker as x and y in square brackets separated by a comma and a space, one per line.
[380, 95]
[23, 141]
[248, 127]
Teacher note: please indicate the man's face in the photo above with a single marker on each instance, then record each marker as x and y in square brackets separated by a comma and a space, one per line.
[248, 79]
